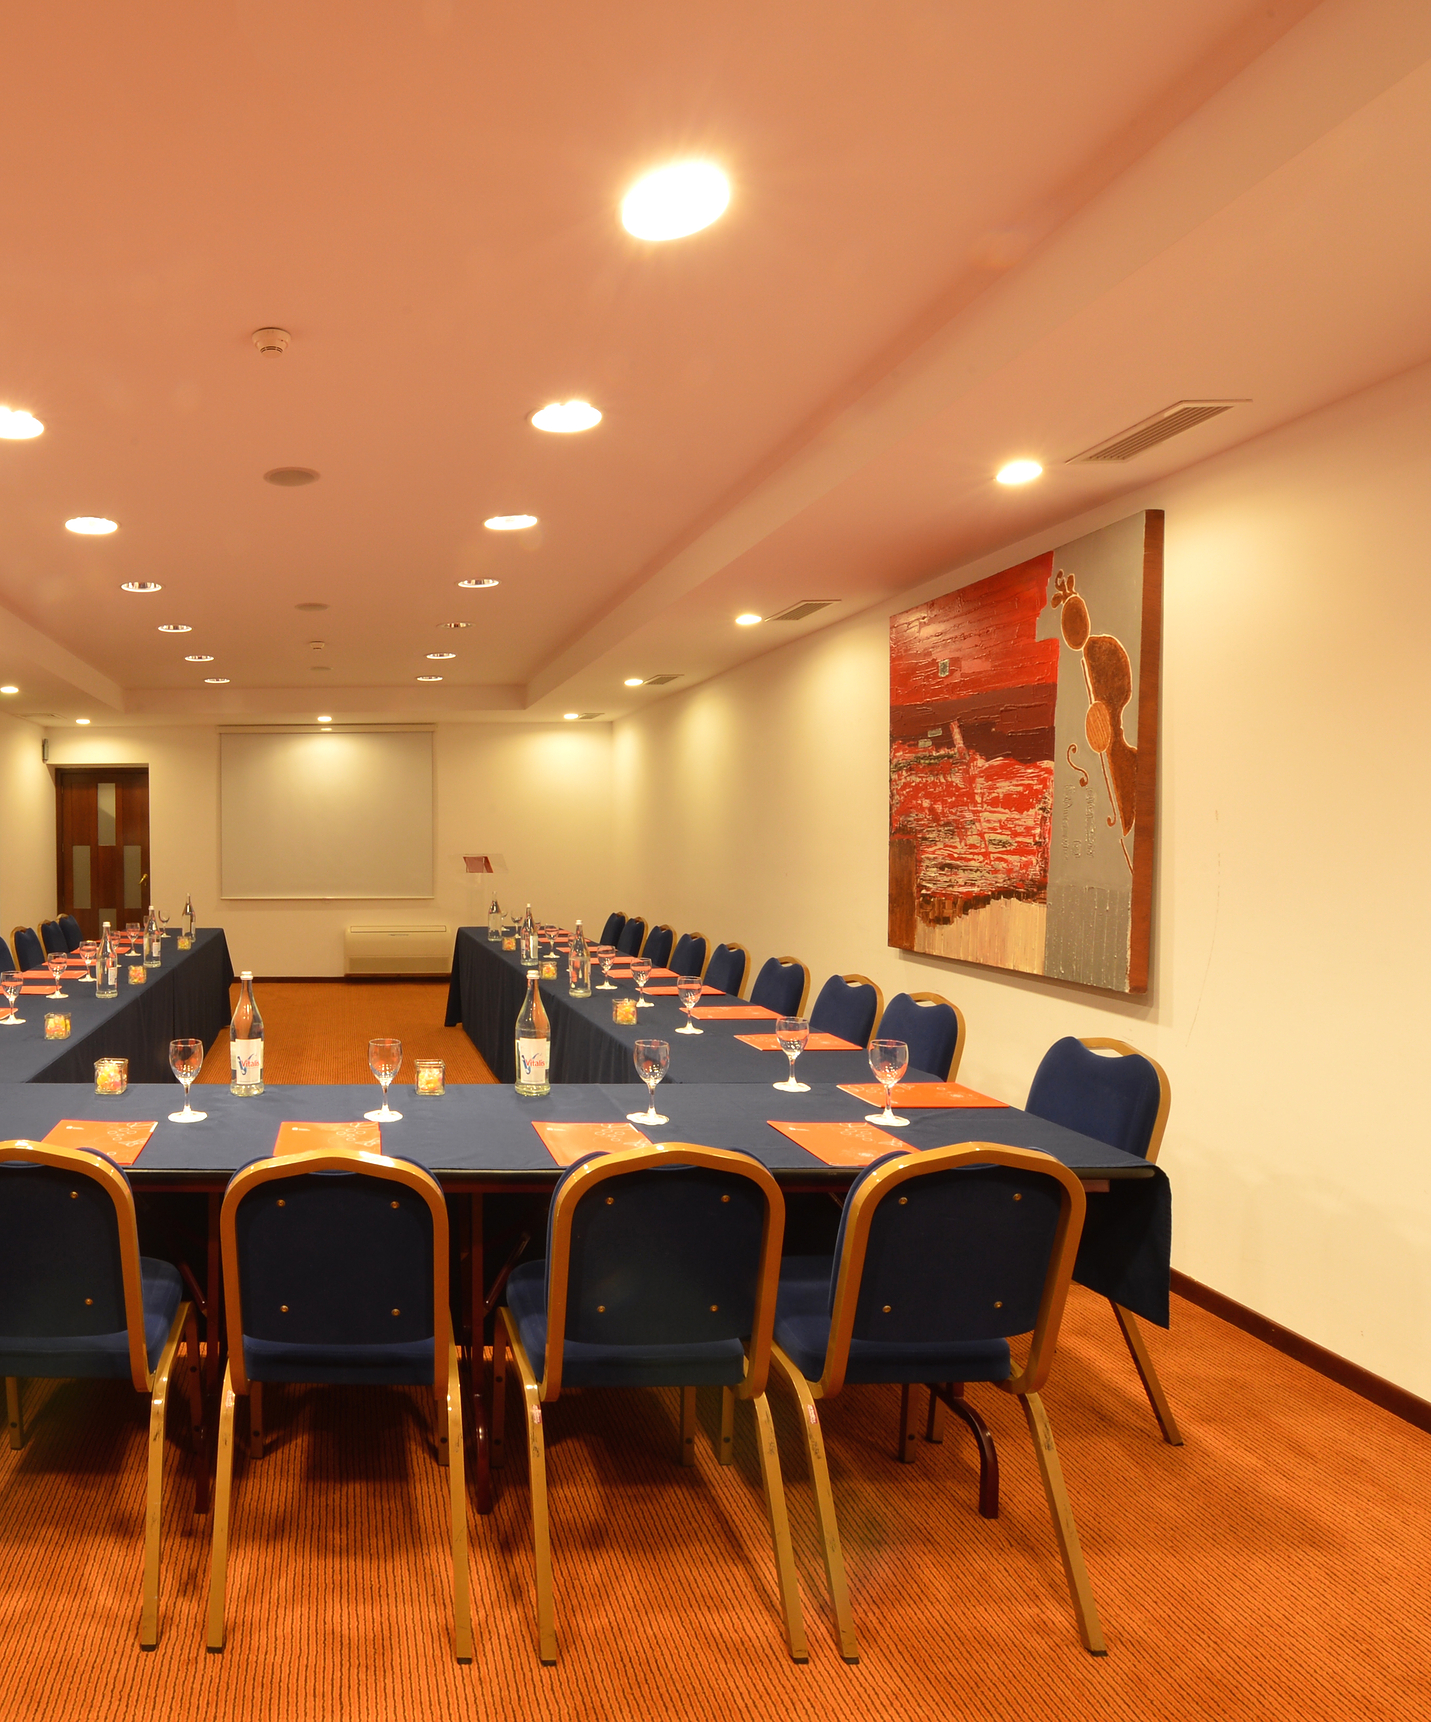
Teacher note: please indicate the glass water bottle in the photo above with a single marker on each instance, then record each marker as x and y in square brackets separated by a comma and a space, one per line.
[153, 939]
[246, 1042]
[528, 942]
[579, 966]
[534, 1043]
[189, 916]
[106, 971]
[494, 922]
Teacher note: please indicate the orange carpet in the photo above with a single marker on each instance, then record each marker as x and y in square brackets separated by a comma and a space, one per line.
[1275, 1567]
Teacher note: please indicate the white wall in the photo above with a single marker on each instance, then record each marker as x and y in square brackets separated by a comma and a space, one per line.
[27, 828]
[1291, 956]
[538, 795]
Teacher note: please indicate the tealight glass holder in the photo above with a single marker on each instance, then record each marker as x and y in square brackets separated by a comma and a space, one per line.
[509, 941]
[624, 1010]
[185, 942]
[549, 968]
[429, 1076]
[136, 974]
[111, 1075]
[57, 1025]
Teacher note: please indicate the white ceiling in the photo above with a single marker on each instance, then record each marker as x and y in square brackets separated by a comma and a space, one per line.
[958, 233]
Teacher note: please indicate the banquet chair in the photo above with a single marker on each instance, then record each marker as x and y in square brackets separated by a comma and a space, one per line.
[335, 1272]
[611, 932]
[657, 949]
[932, 1029]
[849, 1006]
[726, 969]
[941, 1258]
[74, 933]
[782, 985]
[29, 952]
[660, 1271]
[6, 960]
[628, 942]
[689, 955]
[1122, 1100]
[78, 1300]
[52, 937]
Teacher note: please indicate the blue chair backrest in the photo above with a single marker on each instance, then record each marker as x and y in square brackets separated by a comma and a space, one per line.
[658, 1248]
[726, 971]
[73, 932]
[7, 962]
[611, 932]
[930, 1031]
[778, 987]
[29, 952]
[61, 1272]
[658, 947]
[845, 1010]
[1113, 1100]
[955, 1255]
[342, 1251]
[631, 935]
[689, 955]
[54, 938]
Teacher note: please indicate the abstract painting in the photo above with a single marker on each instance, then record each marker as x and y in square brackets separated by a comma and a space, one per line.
[1023, 763]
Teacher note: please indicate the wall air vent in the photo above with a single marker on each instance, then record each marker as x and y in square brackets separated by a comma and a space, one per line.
[660, 681]
[1171, 421]
[806, 607]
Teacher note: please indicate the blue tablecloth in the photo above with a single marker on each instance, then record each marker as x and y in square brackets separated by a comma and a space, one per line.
[187, 996]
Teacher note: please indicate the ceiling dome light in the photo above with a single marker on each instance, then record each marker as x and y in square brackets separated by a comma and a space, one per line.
[565, 417]
[472, 586]
[429, 678]
[175, 628]
[508, 523]
[571, 717]
[216, 681]
[9, 688]
[16, 425]
[91, 525]
[748, 619]
[673, 201]
[437, 657]
[81, 720]
[633, 681]
[199, 658]
[141, 586]
[325, 717]
[1018, 472]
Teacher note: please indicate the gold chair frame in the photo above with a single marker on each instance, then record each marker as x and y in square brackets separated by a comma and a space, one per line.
[94, 1166]
[579, 1184]
[446, 1385]
[1024, 1384]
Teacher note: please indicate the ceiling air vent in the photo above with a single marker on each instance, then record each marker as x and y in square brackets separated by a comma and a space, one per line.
[660, 681]
[806, 607]
[589, 715]
[1171, 421]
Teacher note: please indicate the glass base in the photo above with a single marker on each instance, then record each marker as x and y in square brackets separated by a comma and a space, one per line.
[645, 1004]
[690, 1028]
[606, 986]
[385, 1115]
[186, 1117]
[57, 995]
[11, 1021]
[791, 1086]
[651, 1117]
[880, 1117]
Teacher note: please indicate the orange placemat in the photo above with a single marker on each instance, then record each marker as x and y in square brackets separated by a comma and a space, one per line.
[45, 992]
[664, 975]
[675, 992]
[567, 1143]
[301, 1138]
[122, 1139]
[817, 1043]
[921, 1094]
[843, 1144]
[732, 1012]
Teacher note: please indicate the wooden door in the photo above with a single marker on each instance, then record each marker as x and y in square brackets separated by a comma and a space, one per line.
[102, 815]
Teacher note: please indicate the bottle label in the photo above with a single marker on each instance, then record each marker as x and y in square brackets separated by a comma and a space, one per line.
[246, 1060]
[532, 1056]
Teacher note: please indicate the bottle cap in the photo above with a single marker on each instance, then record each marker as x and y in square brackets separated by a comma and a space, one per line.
[245, 974]
[533, 975]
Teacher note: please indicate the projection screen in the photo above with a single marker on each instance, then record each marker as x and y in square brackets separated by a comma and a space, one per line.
[343, 814]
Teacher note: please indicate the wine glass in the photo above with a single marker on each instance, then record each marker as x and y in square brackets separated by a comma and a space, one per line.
[889, 1059]
[10, 983]
[688, 987]
[186, 1058]
[135, 931]
[88, 951]
[791, 1033]
[641, 973]
[606, 956]
[653, 1059]
[55, 962]
[163, 924]
[384, 1060]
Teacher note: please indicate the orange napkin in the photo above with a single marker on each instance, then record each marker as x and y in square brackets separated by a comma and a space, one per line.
[35, 975]
[300, 1138]
[921, 1094]
[731, 1012]
[663, 975]
[819, 1042]
[122, 1139]
[840, 1144]
[675, 992]
[40, 992]
[567, 1143]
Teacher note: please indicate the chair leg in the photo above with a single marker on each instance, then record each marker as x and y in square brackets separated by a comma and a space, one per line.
[442, 1426]
[824, 1506]
[1066, 1531]
[725, 1445]
[934, 1423]
[780, 1531]
[1133, 1334]
[906, 1450]
[223, 1494]
[255, 1419]
[194, 1377]
[688, 1425]
[456, 1473]
[154, 1493]
[13, 1411]
[537, 1470]
[499, 1396]
[951, 1394]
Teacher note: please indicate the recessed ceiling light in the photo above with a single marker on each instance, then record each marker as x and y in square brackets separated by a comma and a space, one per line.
[175, 628]
[9, 688]
[633, 681]
[91, 525]
[16, 425]
[1018, 472]
[673, 201]
[429, 678]
[317, 645]
[216, 681]
[457, 624]
[141, 586]
[508, 523]
[81, 720]
[437, 657]
[290, 477]
[325, 717]
[310, 606]
[748, 619]
[571, 717]
[199, 658]
[471, 586]
[565, 417]
[323, 669]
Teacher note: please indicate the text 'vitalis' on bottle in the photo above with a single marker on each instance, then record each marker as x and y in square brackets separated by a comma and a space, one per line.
[534, 1042]
[246, 1042]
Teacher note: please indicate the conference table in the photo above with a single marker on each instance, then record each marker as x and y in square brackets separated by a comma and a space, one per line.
[186, 997]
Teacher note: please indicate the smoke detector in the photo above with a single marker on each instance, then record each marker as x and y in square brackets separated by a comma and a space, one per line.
[271, 340]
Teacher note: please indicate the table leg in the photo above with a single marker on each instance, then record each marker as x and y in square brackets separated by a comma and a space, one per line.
[477, 1306]
[213, 1313]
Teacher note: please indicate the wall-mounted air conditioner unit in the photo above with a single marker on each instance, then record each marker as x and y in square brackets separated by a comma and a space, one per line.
[424, 949]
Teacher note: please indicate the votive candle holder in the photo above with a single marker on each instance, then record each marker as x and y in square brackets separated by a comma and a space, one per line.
[623, 1010]
[111, 1075]
[429, 1077]
[57, 1025]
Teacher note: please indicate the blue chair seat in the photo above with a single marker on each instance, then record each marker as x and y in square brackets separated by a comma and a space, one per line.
[101, 1355]
[718, 1363]
[802, 1331]
[396, 1364]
